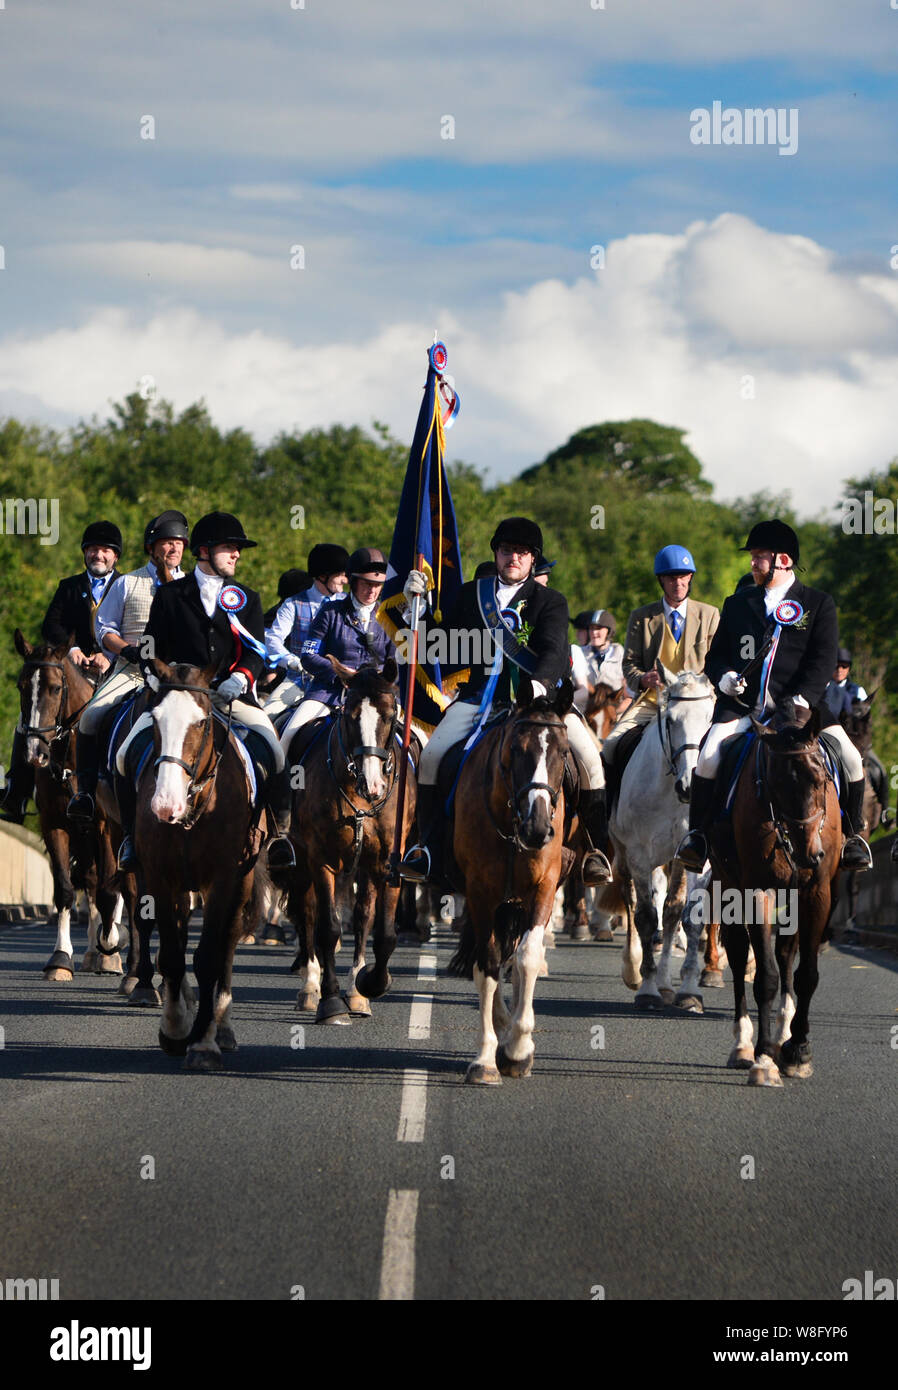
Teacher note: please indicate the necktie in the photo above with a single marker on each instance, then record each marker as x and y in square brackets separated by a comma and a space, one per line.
[676, 625]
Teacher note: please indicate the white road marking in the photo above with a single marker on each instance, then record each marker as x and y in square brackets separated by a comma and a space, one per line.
[412, 1108]
[427, 970]
[419, 1019]
[397, 1269]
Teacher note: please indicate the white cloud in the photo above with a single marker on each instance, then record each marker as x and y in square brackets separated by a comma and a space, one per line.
[669, 330]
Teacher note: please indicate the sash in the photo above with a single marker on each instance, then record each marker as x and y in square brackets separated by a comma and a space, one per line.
[500, 628]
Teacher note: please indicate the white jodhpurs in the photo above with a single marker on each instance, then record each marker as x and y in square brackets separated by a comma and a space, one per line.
[460, 720]
[709, 757]
[249, 715]
[306, 711]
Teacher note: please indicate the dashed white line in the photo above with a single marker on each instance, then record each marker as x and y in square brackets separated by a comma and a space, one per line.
[419, 1019]
[413, 1107]
[397, 1269]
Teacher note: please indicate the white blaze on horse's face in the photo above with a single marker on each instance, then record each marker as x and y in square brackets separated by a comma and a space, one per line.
[174, 715]
[34, 749]
[541, 774]
[372, 767]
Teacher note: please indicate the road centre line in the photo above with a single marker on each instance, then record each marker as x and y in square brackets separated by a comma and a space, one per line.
[397, 1267]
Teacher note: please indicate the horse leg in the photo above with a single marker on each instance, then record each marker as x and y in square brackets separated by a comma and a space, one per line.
[785, 957]
[742, 1055]
[765, 1072]
[376, 979]
[632, 952]
[796, 1050]
[362, 920]
[712, 975]
[301, 908]
[514, 1056]
[61, 965]
[142, 993]
[176, 1016]
[689, 995]
[483, 1070]
[331, 1008]
[648, 996]
[212, 964]
[674, 901]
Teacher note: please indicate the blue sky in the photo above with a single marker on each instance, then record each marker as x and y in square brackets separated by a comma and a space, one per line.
[321, 127]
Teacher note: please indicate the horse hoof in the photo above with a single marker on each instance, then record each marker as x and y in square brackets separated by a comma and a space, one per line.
[225, 1038]
[357, 1005]
[307, 1001]
[690, 1003]
[741, 1059]
[205, 1059]
[109, 965]
[603, 934]
[542, 970]
[128, 985]
[60, 967]
[246, 940]
[332, 1010]
[510, 1066]
[648, 1003]
[88, 964]
[368, 982]
[479, 1075]
[802, 1070]
[172, 1047]
[765, 1073]
[711, 979]
[143, 997]
[667, 995]
[579, 932]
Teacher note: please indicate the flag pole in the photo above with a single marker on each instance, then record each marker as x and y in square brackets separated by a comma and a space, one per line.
[396, 854]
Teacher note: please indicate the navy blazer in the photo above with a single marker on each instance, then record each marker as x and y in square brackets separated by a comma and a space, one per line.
[69, 613]
[336, 631]
[183, 631]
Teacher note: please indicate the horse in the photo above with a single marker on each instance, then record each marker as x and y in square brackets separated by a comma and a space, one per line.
[53, 690]
[858, 726]
[196, 829]
[650, 817]
[604, 707]
[343, 823]
[508, 842]
[785, 838]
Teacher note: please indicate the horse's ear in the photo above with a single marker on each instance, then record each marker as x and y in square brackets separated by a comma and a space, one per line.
[525, 691]
[811, 726]
[63, 648]
[668, 677]
[22, 647]
[343, 672]
[871, 698]
[564, 697]
[209, 673]
[156, 671]
[390, 672]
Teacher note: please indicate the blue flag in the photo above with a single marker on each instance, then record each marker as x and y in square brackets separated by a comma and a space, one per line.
[425, 527]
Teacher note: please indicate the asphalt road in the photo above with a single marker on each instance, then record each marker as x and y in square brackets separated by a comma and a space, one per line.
[636, 1169]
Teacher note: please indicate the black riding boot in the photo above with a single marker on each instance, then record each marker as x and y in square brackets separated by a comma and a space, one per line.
[81, 807]
[693, 848]
[19, 783]
[856, 854]
[280, 796]
[422, 863]
[591, 809]
[126, 796]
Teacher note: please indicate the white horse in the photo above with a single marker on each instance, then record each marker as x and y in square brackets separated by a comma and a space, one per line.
[649, 820]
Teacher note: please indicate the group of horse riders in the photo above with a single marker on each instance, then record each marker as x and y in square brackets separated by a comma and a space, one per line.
[116, 623]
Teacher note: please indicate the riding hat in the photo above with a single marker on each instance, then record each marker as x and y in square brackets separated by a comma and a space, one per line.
[167, 526]
[600, 617]
[368, 563]
[102, 533]
[544, 566]
[674, 559]
[325, 560]
[293, 582]
[775, 536]
[843, 655]
[219, 528]
[518, 530]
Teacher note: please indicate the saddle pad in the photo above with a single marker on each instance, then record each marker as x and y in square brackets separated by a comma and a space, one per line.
[832, 754]
[114, 731]
[455, 757]
[624, 749]
[733, 755]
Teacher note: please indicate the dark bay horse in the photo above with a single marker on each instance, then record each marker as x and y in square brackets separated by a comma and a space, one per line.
[53, 690]
[857, 723]
[782, 853]
[344, 820]
[508, 845]
[604, 707]
[196, 829]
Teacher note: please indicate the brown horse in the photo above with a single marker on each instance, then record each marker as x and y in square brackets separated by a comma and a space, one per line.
[53, 690]
[344, 820]
[604, 707]
[508, 843]
[785, 840]
[858, 726]
[196, 829]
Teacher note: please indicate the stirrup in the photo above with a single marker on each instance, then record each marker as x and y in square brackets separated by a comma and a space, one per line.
[856, 849]
[595, 869]
[281, 854]
[416, 865]
[77, 808]
[127, 859]
[693, 850]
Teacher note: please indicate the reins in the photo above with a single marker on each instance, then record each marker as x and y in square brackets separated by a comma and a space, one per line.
[196, 788]
[61, 729]
[361, 813]
[514, 839]
[778, 819]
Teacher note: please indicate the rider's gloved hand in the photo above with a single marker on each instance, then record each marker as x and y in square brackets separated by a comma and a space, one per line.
[294, 666]
[131, 654]
[415, 584]
[233, 687]
[731, 684]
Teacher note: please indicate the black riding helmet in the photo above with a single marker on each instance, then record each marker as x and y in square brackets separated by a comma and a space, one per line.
[773, 535]
[518, 530]
[102, 533]
[167, 526]
[326, 559]
[219, 528]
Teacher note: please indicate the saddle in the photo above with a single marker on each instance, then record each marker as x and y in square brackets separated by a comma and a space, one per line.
[734, 754]
[624, 749]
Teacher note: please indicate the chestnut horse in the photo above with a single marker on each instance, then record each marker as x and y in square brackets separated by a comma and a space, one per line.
[509, 835]
[604, 707]
[53, 690]
[343, 823]
[785, 840]
[196, 829]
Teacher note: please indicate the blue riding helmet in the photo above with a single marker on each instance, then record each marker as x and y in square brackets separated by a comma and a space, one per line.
[673, 559]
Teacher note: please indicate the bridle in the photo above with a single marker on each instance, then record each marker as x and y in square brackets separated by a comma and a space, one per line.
[672, 755]
[62, 728]
[363, 750]
[515, 793]
[778, 818]
[196, 788]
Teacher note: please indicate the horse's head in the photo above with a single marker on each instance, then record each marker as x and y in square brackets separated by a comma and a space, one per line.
[43, 695]
[796, 778]
[369, 719]
[686, 704]
[181, 708]
[532, 753]
[858, 723]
